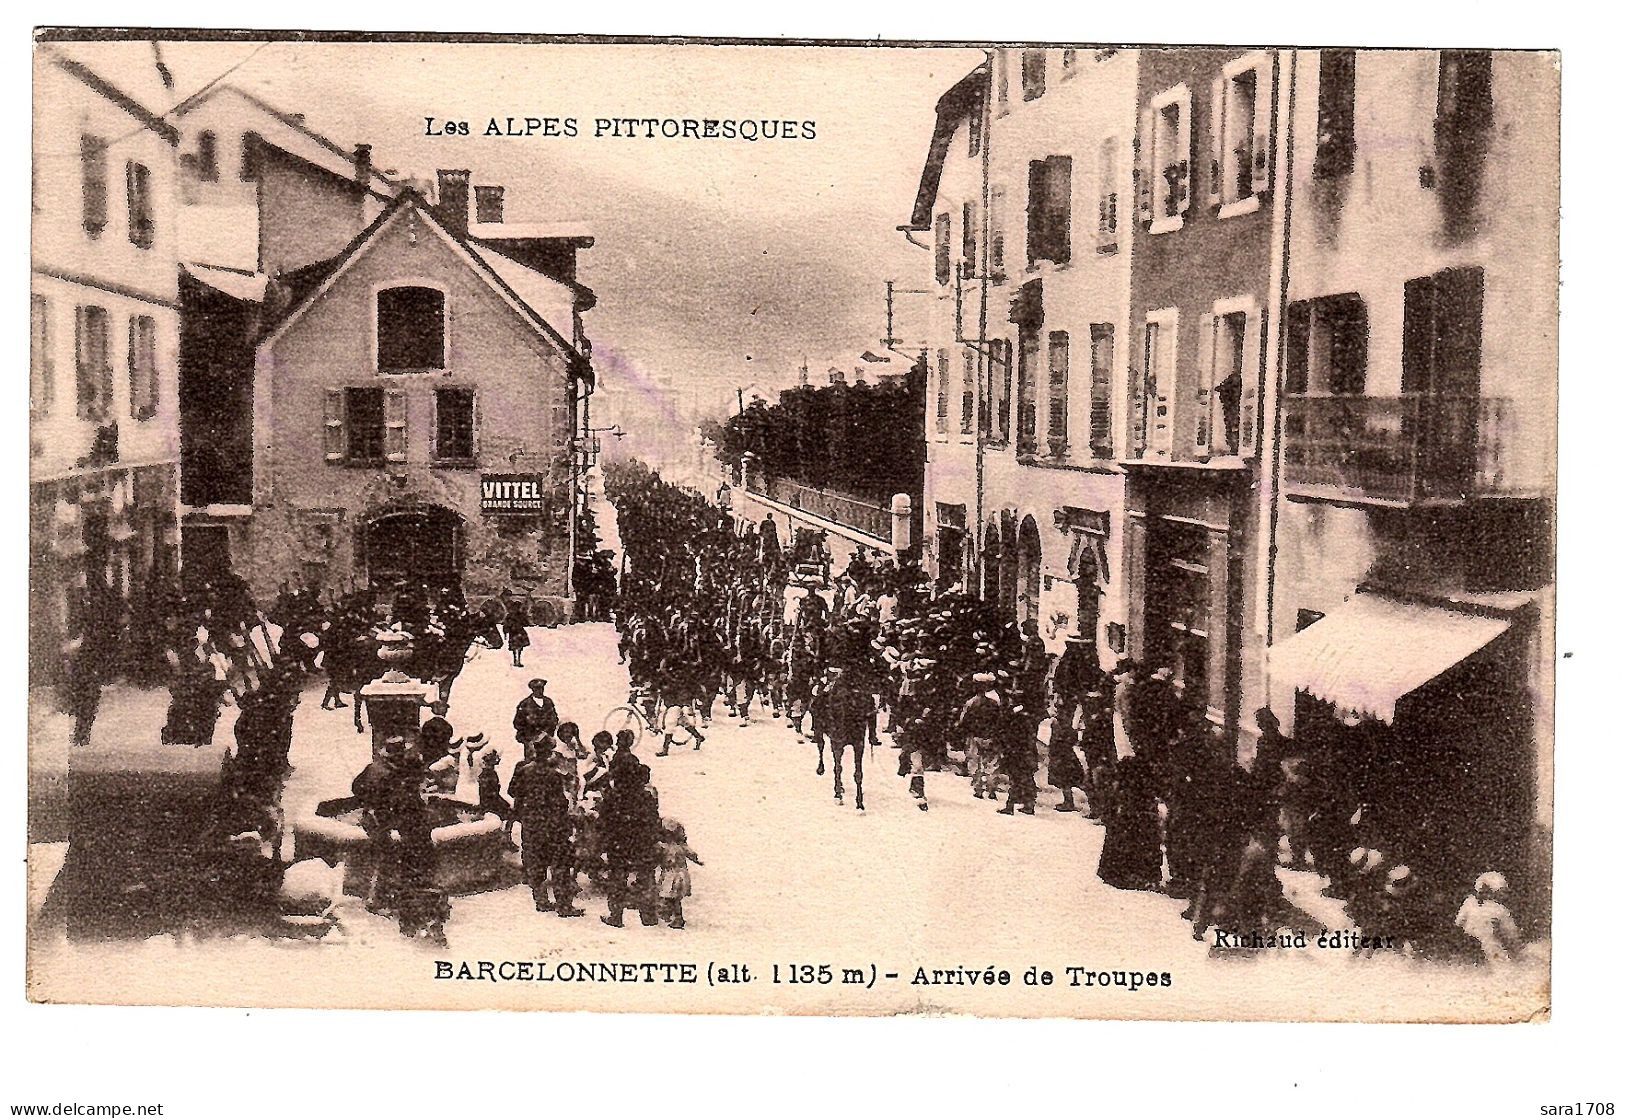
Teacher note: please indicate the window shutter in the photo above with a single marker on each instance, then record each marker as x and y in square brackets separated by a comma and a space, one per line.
[333, 424]
[1060, 360]
[1207, 349]
[1298, 325]
[1187, 156]
[1106, 219]
[1144, 192]
[134, 371]
[995, 248]
[1215, 145]
[944, 251]
[81, 342]
[967, 238]
[132, 202]
[395, 424]
[1137, 390]
[1100, 389]
[1060, 208]
[1252, 378]
[1160, 368]
[1263, 107]
[439, 443]
[474, 421]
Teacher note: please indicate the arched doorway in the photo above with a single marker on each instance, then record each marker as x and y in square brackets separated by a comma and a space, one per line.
[1008, 565]
[417, 546]
[1029, 564]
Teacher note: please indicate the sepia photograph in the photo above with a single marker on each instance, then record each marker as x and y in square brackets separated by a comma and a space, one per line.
[818, 528]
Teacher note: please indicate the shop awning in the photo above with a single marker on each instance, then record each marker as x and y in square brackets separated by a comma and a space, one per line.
[1372, 652]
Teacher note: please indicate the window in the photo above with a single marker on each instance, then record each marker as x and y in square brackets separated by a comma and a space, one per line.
[93, 172]
[1334, 135]
[1326, 342]
[488, 205]
[944, 250]
[1163, 167]
[94, 367]
[208, 159]
[1102, 352]
[1106, 208]
[1001, 81]
[138, 195]
[973, 127]
[967, 394]
[1027, 391]
[363, 425]
[1032, 74]
[1060, 345]
[1069, 61]
[967, 238]
[454, 423]
[41, 374]
[143, 366]
[995, 234]
[1238, 134]
[942, 392]
[411, 329]
[999, 372]
[1049, 210]
[250, 166]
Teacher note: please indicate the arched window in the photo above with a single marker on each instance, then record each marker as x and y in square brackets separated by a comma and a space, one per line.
[411, 329]
[208, 162]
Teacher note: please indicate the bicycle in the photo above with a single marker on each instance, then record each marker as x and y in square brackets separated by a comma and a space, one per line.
[640, 715]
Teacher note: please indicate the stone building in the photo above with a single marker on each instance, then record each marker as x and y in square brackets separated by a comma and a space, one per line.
[400, 384]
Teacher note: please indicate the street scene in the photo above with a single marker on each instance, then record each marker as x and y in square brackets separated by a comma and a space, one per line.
[1080, 544]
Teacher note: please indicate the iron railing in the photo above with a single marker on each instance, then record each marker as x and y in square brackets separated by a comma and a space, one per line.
[1405, 448]
[842, 508]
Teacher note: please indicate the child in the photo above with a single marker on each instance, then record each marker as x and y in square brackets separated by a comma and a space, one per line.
[492, 800]
[1485, 917]
[674, 879]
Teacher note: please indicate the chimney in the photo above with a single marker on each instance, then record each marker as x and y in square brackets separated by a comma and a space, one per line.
[363, 165]
[452, 205]
[488, 205]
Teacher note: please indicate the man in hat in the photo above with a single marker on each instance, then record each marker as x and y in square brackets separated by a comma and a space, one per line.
[631, 828]
[391, 804]
[535, 715]
[542, 807]
[435, 735]
[980, 721]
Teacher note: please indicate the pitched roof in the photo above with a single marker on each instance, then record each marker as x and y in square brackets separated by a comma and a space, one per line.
[305, 285]
[964, 97]
[380, 183]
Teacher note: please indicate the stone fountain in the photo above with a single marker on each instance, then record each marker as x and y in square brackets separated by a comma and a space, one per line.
[395, 700]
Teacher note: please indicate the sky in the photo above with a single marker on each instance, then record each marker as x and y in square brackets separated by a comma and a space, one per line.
[717, 263]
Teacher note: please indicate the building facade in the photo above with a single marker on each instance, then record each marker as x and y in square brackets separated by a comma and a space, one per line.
[1412, 591]
[1318, 476]
[401, 380]
[1025, 196]
[103, 411]
[1206, 211]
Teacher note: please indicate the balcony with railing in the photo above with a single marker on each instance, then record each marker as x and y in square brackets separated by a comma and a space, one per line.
[1400, 450]
[863, 515]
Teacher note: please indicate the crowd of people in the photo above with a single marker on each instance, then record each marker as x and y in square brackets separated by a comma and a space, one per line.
[709, 609]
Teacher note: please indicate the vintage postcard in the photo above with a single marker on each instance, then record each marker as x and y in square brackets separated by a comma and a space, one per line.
[834, 528]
